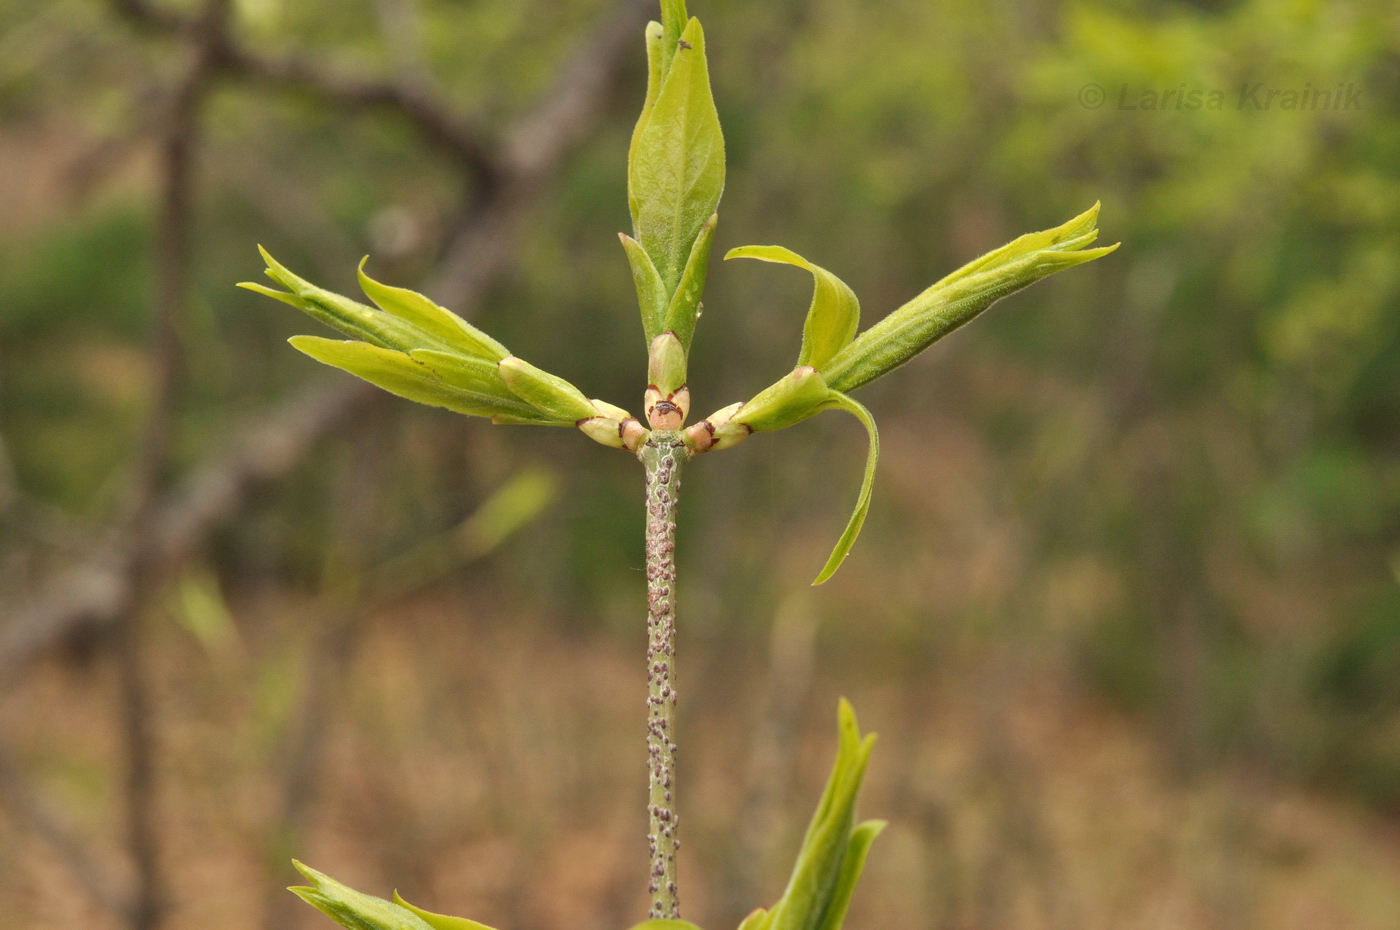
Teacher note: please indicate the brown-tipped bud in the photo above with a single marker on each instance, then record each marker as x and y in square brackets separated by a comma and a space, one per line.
[603, 430]
[612, 427]
[633, 434]
[666, 411]
[711, 433]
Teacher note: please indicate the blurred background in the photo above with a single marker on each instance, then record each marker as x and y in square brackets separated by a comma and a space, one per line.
[1126, 612]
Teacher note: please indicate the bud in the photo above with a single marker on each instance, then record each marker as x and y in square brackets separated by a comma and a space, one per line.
[666, 364]
[785, 403]
[702, 436]
[547, 393]
[612, 426]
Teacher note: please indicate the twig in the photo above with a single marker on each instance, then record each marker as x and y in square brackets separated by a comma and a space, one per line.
[664, 456]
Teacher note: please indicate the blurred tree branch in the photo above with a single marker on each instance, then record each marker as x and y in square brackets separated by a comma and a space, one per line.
[91, 593]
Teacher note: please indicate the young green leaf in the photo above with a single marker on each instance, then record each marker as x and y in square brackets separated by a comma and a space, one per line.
[352, 909]
[398, 373]
[684, 310]
[440, 921]
[851, 866]
[834, 315]
[666, 364]
[651, 290]
[417, 309]
[816, 878]
[960, 297]
[786, 402]
[550, 394]
[673, 23]
[654, 37]
[758, 919]
[872, 458]
[677, 174]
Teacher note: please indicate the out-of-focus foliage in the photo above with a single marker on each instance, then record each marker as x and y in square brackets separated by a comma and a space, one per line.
[1168, 482]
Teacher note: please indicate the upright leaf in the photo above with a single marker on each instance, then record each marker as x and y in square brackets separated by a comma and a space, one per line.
[684, 310]
[677, 174]
[834, 316]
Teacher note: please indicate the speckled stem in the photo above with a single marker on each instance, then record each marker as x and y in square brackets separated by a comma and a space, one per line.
[663, 454]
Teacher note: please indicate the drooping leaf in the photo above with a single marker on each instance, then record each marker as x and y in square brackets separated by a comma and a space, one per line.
[651, 290]
[834, 316]
[399, 374]
[677, 175]
[872, 458]
[960, 297]
[352, 909]
[550, 394]
[440, 921]
[422, 312]
[684, 310]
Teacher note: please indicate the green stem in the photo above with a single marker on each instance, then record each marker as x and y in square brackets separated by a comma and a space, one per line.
[663, 454]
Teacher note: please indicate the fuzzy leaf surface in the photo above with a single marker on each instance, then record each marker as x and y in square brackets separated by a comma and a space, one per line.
[961, 297]
[677, 172]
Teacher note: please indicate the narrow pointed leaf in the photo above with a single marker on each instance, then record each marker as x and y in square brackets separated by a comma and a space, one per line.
[673, 23]
[677, 174]
[399, 374]
[440, 921]
[816, 877]
[547, 393]
[474, 376]
[872, 458]
[352, 909]
[422, 312]
[857, 849]
[651, 290]
[834, 316]
[654, 34]
[348, 316]
[961, 297]
[684, 310]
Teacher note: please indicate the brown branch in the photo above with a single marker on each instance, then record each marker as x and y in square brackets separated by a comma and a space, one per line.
[94, 592]
[295, 72]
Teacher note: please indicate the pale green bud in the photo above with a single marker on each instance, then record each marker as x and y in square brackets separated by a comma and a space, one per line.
[702, 436]
[666, 364]
[352, 909]
[613, 427]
